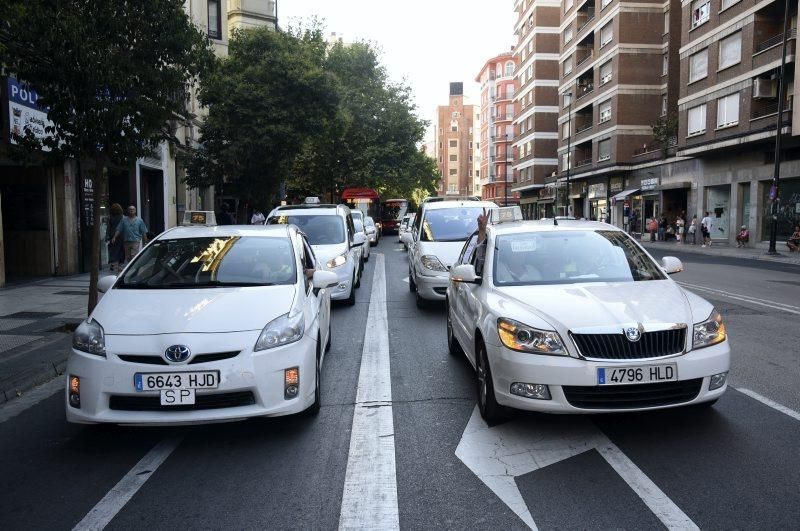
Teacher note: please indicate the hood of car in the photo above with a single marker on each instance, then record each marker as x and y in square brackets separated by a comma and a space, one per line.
[583, 307]
[446, 252]
[210, 310]
[326, 252]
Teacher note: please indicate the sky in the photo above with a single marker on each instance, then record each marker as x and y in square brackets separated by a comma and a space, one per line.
[427, 43]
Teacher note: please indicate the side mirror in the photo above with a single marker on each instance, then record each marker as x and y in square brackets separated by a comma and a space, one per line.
[407, 238]
[359, 239]
[464, 273]
[671, 265]
[324, 279]
[105, 283]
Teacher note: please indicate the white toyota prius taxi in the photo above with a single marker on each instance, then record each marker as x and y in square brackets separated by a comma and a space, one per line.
[575, 317]
[206, 324]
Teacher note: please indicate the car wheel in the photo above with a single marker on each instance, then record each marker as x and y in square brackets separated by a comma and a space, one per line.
[351, 300]
[453, 346]
[358, 277]
[491, 411]
[412, 286]
[314, 408]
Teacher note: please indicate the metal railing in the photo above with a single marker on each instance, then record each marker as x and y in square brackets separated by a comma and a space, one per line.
[584, 59]
[583, 127]
[583, 90]
[589, 18]
[774, 41]
[584, 162]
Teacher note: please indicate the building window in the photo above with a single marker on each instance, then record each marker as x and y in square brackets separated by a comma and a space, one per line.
[728, 110]
[566, 161]
[453, 158]
[701, 10]
[567, 66]
[565, 130]
[664, 65]
[605, 73]
[604, 150]
[454, 128]
[454, 143]
[452, 188]
[568, 35]
[698, 66]
[470, 144]
[214, 19]
[567, 5]
[663, 105]
[728, 3]
[606, 34]
[666, 22]
[470, 158]
[697, 120]
[456, 114]
[604, 111]
[730, 51]
[567, 98]
[604, 4]
[509, 68]
[453, 171]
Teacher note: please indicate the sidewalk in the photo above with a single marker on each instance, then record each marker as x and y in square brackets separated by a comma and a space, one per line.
[724, 250]
[36, 323]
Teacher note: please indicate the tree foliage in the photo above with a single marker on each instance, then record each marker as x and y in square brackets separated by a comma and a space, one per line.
[265, 100]
[665, 132]
[112, 75]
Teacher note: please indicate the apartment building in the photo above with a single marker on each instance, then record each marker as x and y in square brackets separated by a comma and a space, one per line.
[536, 103]
[730, 57]
[455, 145]
[496, 131]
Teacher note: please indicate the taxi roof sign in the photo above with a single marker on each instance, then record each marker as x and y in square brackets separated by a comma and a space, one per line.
[199, 218]
[505, 214]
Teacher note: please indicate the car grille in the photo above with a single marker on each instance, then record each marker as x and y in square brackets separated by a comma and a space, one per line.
[632, 396]
[158, 360]
[618, 347]
[440, 291]
[153, 403]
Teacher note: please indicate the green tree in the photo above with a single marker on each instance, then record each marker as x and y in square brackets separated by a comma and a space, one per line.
[372, 140]
[264, 101]
[112, 74]
[665, 132]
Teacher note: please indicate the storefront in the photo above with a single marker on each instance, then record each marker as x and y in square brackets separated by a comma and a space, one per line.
[788, 208]
[624, 213]
[577, 194]
[647, 205]
[675, 199]
[547, 197]
[718, 205]
[616, 210]
[598, 203]
[529, 206]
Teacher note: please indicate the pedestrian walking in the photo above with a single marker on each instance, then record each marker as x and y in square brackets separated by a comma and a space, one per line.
[679, 224]
[743, 237]
[652, 227]
[133, 233]
[116, 251]
[662, 228]
[706, 226]
[257, 218]
[794, 240]
[225, 217]
[692, 231]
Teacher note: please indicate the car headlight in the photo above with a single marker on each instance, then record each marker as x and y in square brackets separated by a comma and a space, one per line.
[709, 332]
[523, 338]
[431, 262]
[281, 331]
[90, 338]
[339, 261]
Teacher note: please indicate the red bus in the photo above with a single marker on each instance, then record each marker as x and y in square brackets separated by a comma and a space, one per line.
[366, 200]
[392, 213]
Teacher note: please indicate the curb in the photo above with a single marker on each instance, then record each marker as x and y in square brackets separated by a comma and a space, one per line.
[42, 375]
[691, 249]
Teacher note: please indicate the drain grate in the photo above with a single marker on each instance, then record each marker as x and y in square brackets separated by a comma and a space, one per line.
[30, 315]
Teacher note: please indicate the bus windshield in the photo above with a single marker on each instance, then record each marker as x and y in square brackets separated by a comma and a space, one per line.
[394, 209]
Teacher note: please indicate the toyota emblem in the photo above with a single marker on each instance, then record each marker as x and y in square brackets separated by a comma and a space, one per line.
[177, 353]
[633, 334]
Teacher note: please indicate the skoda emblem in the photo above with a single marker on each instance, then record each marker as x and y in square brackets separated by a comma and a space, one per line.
[177, 353]
[633, 334]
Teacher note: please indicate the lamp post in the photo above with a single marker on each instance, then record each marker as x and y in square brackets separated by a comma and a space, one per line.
[569, 148]
[505, 177]
[776, 172]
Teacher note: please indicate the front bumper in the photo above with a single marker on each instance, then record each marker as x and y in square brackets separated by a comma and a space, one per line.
[568, 377]
[342, 290]
[107, 393]
[432, 287]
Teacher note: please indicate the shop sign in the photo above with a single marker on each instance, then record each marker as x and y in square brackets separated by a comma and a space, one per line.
[649, 184]
[617, 184]
[597, 190]
[24, 112]
[547, 192]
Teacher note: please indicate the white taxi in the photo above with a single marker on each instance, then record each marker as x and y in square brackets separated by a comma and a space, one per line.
[206, 324]
[575, 317]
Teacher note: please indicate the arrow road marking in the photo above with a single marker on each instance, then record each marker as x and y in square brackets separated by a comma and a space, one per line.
[498, 455]
[745, 298]
[369, 500]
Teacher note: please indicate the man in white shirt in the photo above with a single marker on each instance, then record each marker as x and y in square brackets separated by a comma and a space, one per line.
[707, 224]
[257, 218]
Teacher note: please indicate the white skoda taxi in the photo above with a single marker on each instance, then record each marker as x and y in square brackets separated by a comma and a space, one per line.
[575, 317]
[206, 324]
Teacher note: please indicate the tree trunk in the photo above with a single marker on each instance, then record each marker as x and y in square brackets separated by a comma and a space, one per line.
[94, 271]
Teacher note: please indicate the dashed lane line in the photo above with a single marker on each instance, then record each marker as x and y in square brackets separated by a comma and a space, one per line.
[111, 504]
[771, 403]
[369, 500]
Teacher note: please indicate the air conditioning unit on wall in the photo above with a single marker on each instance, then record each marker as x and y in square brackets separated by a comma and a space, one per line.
[765, 88]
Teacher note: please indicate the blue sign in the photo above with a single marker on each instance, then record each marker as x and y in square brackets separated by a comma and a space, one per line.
[22, 94]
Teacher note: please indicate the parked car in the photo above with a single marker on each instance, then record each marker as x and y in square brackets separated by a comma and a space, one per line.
[184, 336]
[373, 232]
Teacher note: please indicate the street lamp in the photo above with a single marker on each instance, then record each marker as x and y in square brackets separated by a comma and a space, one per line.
[569, 149]
[776, 173]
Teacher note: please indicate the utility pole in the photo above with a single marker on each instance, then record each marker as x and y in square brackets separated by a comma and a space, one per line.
[776, 173]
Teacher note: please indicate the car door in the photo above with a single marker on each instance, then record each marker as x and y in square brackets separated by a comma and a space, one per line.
[354, 252]
[460, 323]
[470, 307]
[312, 303]
[321, 298]
[413, 248]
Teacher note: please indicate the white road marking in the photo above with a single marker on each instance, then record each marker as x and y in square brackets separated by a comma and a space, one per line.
[745, 298]
[107, 508]
[406, 280]
[30, 398]
[771, 403]
[369, 500]
[497, 455]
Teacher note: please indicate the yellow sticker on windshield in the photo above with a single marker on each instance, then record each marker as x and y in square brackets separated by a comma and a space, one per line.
[523, 246]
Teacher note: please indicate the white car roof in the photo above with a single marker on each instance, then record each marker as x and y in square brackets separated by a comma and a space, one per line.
[270, 231]
[442, 205]
[518, 227]
[316, 211]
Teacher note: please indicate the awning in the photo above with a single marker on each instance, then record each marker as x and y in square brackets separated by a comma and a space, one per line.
[674, 185]
[624, 195]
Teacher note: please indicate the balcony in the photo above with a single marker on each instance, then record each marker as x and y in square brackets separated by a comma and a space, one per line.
[581, 127]
[582, 55]
[584, 162]
[584, 89]
[585, 17]
[769, 50]
[656, 148]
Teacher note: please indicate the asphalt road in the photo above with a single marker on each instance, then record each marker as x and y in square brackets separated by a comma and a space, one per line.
[733, 466]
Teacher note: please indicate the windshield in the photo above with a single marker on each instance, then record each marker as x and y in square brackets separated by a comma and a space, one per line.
[570, 257]
[450, 224]
[394, 210]
[320, 230]
[212, 262]
[369, 222]
[358, 225]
